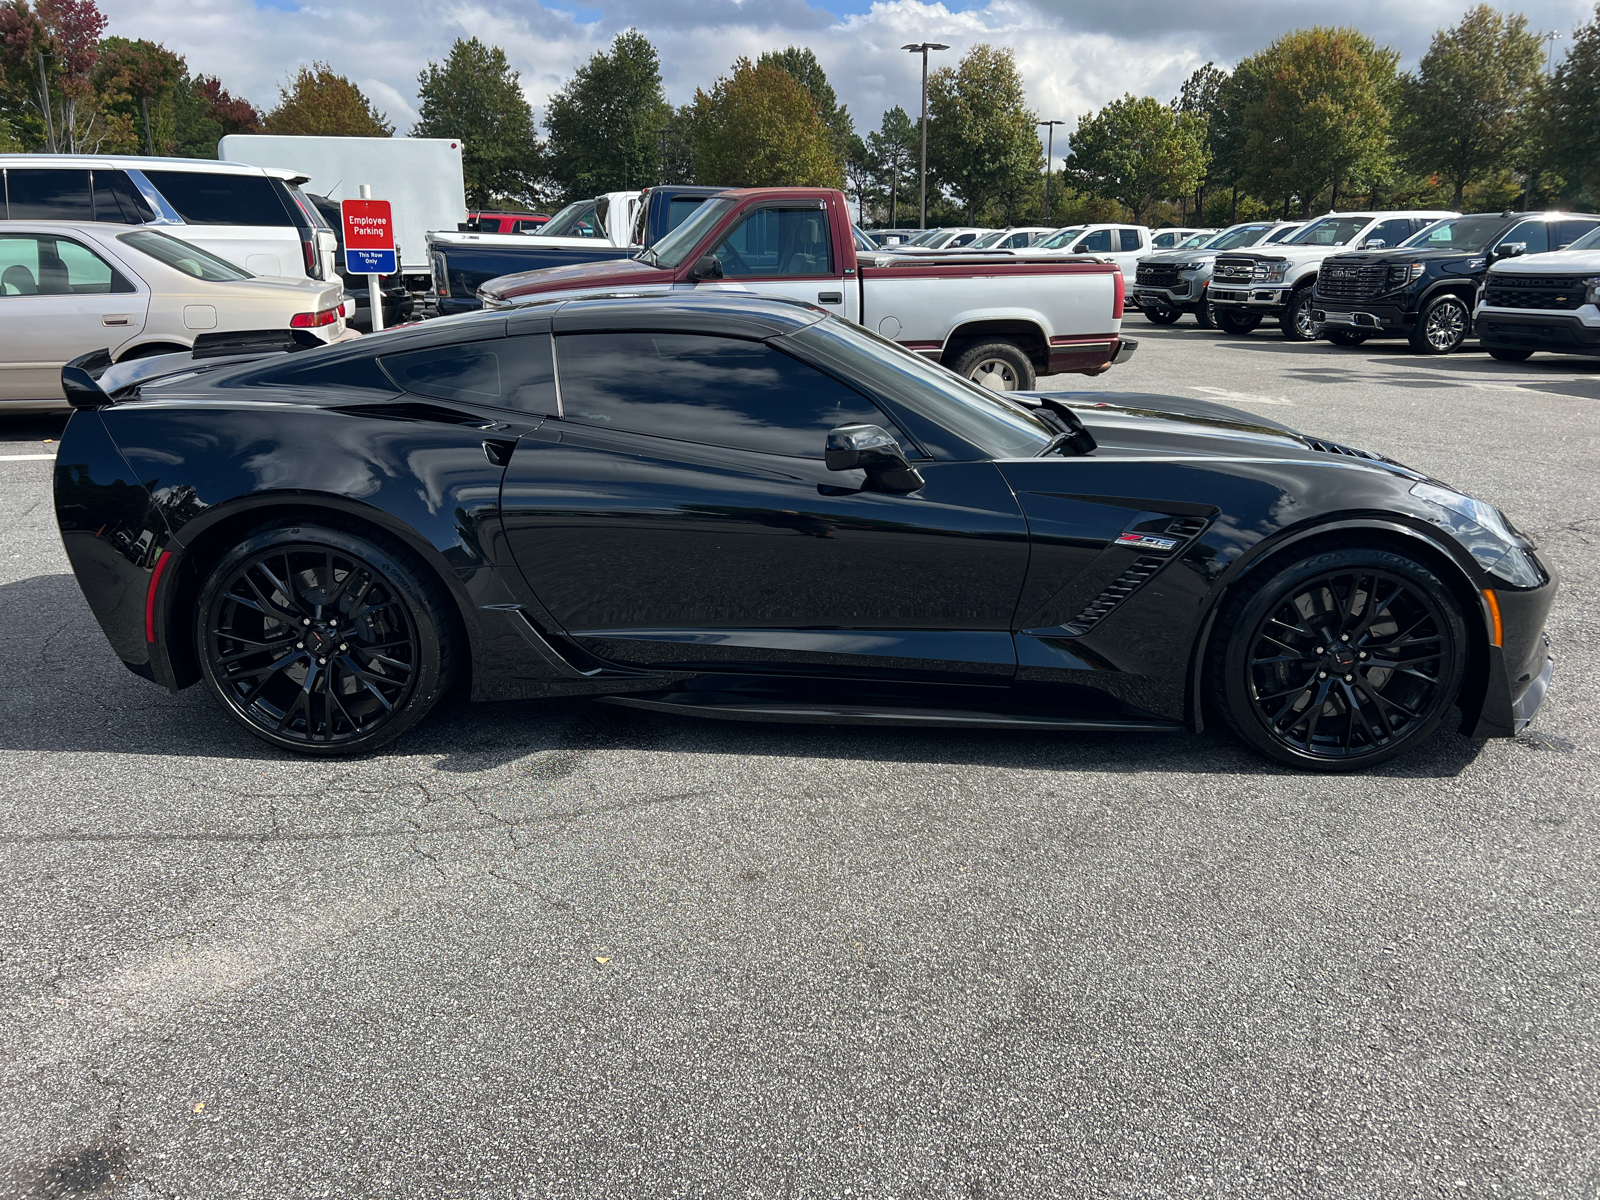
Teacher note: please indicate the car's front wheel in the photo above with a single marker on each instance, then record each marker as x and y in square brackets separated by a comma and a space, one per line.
[1205, 314]
[324, 641]
[1160, 314]
[999, 366]
[1500, 355]
[1443, 326]
[1344, 337]
[1238, 323]
[1297, 323]
[1340, 661]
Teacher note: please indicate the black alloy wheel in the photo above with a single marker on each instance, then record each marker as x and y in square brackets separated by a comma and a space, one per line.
[1341, 661]
[1236, 323]
[1442, 327]
[1205, 313]
[1500, 354]
[322, 641]
[1296, 322]
[1344, 337]
[1159, 313]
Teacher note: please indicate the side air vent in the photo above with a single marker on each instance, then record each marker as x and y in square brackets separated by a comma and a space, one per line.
[1185, 528]
[1125, 585]
[1335, 448]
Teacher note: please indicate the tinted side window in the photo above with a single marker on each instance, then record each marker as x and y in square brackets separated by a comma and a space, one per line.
[773, 242]
[205, 198]
[51, 194]
[511, 372]
[353, 375]
[1131, 239]
[1164, 241]
[1098, 242]
[678, 211]
[1535, 233]
[1568, 232]
[1390, 233]
[717, 391]
[116, 199]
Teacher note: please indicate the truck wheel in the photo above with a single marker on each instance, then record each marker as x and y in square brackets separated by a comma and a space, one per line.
[1237, 323]
[1500, 355]
[1442, 327]
[1205, 315]
[1344, 337]
[1160, 314]
[1296, 321]
[998, 366]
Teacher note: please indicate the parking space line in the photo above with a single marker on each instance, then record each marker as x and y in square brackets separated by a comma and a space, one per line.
[25, 457]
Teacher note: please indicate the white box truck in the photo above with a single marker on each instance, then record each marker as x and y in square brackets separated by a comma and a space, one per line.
[420, 177]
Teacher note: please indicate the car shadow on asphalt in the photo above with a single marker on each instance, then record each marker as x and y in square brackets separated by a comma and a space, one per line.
[69, 694]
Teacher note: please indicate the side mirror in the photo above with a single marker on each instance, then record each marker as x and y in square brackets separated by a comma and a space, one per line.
[870, 448]
[1374, 244]
[707, 268]
[1510, 250]
[1078, 249]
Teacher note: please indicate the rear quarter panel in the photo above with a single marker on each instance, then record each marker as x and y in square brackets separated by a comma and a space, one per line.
[1064, 299]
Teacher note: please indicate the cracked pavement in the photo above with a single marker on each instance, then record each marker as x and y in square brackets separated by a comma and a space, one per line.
[565, 949]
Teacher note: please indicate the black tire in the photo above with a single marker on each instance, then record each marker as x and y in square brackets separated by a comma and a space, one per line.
[1205, 313]
[1502, 355]
[1296, 321]
[1161, 314]
[1344, 337]
[1442, 326]
[1236, 323]
[1000, 366]
[385, 659]
[1292, 688]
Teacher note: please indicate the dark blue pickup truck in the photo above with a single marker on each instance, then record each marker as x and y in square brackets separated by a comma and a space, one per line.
[616, 225]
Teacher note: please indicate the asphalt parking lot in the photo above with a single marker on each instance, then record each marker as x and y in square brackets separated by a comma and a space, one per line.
[559, 949]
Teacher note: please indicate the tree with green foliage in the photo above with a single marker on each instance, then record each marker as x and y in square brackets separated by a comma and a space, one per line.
[982, 143]
[1137, 151]
[475, 96]
[68, 33]
[800, 62]
[317, 102]
[759, 127]
[1322, 117]
[1200, 97]
[1570, 116]
[605, 123]
[1466, 109]
[204, 113]
[136, 81]
[892, 157]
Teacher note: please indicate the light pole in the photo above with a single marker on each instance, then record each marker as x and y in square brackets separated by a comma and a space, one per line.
[1550, 51]
[923, 48]
[1049, 158]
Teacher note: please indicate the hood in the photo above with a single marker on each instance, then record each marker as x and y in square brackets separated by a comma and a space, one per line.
[1399, 254]
[1150, 425]
[1558, 262]
[610, 273]
[1182, 256]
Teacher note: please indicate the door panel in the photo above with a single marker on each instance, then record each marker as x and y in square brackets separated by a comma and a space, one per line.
[656, 552]
[782, 249]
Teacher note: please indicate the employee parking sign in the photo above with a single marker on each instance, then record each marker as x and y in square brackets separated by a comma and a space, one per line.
[368, 237]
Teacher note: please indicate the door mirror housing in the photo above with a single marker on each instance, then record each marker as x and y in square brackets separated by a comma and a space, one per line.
[706, 268]
[1374, 244]
[1510, 250]
[869, 448]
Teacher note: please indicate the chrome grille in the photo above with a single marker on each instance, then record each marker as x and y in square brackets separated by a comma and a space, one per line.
[1351, 281]
[1533, 291]
[1236, 271]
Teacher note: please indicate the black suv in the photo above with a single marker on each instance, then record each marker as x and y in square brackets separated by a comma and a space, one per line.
[1423, 289]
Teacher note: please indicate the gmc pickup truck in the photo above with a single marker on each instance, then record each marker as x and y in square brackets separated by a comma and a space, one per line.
[614, 226]
[998, 319]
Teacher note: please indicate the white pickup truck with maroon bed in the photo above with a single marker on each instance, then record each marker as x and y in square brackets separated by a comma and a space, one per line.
[999, 320]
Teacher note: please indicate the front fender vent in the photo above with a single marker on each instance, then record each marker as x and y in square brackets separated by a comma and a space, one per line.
[1121, 588]
[1325, 447]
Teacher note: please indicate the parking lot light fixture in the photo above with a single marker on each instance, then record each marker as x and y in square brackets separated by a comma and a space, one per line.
[1049, 159]
[923, 48]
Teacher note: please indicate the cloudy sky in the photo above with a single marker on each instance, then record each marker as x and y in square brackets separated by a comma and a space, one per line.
[1074, 54]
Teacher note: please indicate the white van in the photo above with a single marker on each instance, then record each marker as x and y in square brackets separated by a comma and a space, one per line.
[255, 217]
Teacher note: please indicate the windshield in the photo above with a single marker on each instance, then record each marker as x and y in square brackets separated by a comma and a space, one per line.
[1330, 231]
[1470, 235]
[997, 426]
[1194, 242]
[575, 220]
[1239, 235]
[926, 236]
[1064, 238]
[989, 239]
[677, 245]
[1280, 234]
[181, 256]
[1589, 241]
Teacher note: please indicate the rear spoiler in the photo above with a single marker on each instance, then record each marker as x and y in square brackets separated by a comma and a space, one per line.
[93, 381]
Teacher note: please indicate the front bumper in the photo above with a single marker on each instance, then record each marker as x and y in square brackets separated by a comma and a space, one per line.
[1519, 669]
[1271, 298]
[1184, 296]
[1371, 318]
[1562, 332]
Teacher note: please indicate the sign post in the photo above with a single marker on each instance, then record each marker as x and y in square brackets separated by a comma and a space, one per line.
[369, 245]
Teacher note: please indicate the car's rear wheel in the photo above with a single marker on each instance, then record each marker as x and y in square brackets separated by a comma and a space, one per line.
[1297, 323]
[1443, 326]
[1344, 337]
[1340, 661]
[999, 366]
[324, 641]
[1499, 355]
[1238, 323]
[1161, 314]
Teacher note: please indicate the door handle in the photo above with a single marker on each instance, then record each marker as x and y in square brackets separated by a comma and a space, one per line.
[830, 297]
[117, 320]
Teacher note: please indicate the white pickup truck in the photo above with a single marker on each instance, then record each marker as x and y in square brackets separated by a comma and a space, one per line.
[998, 320]
[1542, 302]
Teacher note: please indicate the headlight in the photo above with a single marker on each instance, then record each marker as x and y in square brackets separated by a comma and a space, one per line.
[1403, 273]
[1271, 272]
[1484, 532]
[1186, 266]
[1591, 294]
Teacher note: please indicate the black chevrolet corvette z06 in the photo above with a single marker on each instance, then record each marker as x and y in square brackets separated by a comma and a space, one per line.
[729, 506]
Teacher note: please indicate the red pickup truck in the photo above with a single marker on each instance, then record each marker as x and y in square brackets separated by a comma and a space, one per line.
[999, 320]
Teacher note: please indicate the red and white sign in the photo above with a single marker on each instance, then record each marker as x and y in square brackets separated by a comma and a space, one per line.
[368, 237]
